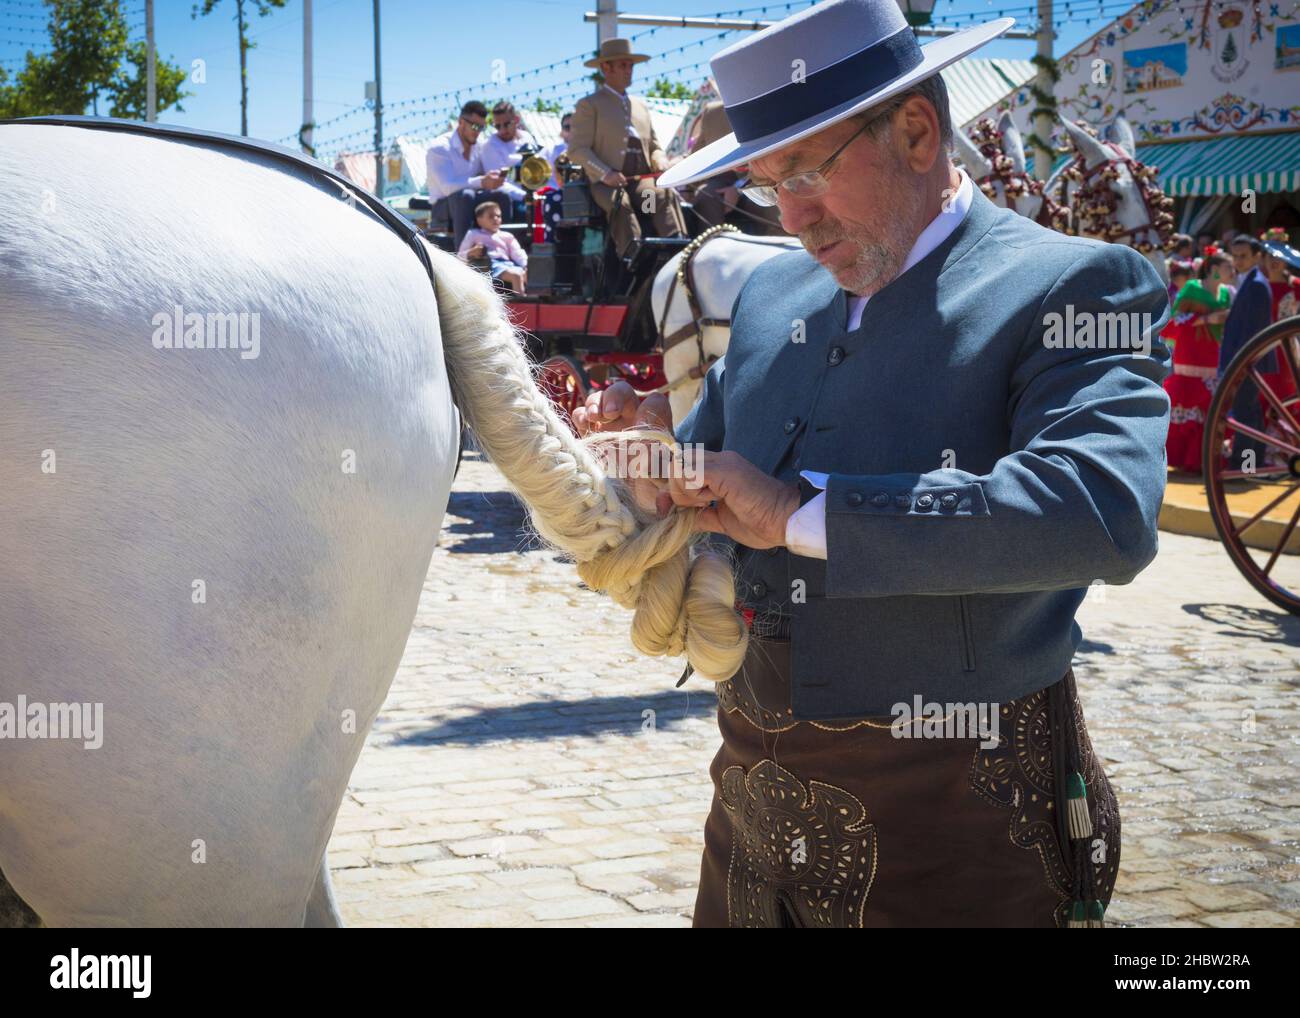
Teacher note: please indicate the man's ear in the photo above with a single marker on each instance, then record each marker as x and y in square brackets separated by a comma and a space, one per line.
[917, 131]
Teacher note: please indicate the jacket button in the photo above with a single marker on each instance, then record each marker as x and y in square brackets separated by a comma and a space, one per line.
[949, 501]
[854, 498]
[902, 501]
[880, 499]
[835, 356]
[759, 588]
[924, 502]
[791, 424]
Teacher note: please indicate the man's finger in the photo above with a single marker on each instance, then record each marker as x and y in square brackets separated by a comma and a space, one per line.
[655, 413]
[616, 401]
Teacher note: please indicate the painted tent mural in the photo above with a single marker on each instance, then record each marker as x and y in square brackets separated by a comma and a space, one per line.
[1211, 90]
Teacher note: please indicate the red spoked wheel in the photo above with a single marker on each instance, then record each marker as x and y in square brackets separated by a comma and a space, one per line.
[1251, 460]
[565, 382]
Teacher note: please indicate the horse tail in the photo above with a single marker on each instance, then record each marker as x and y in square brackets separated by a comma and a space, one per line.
[683, 595]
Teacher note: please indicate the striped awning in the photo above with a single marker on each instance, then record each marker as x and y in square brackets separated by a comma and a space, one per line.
[975, 84]
[1262, 163]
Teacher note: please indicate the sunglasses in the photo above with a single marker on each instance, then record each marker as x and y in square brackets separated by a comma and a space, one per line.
[476, 128]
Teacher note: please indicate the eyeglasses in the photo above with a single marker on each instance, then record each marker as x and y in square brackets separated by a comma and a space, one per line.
[475, 127]
[807, 184]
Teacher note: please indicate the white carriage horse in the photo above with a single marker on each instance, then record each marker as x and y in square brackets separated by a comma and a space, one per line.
[692, 299]
[228, 440]
[1104, 192]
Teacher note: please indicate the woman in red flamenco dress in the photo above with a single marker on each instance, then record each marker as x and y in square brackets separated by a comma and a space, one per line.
[1195, 330]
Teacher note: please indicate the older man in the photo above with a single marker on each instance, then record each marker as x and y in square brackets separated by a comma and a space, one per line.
[922, 476]
[614, 141]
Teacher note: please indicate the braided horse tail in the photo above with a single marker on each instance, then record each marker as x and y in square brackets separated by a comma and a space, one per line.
[683, 596]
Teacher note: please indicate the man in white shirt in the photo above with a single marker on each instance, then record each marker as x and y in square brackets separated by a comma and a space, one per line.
[457, 180]
[501, 152]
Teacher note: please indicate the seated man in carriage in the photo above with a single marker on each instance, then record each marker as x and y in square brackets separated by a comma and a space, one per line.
[457, 179]
[717, 200]
[502, 151]
[613, 140]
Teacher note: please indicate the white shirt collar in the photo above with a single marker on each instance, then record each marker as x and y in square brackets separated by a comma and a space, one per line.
[940, 228]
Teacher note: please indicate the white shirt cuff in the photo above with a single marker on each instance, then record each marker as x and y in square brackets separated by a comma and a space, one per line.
[805, 531]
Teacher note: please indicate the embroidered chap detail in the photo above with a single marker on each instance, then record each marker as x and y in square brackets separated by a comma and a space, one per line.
[802, 853]
[1017, 776]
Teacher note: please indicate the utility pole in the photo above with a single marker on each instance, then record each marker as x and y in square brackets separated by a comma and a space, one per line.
[304, 136]
[379, 115]
[150, 66]
[1042, 123]
[606, 20]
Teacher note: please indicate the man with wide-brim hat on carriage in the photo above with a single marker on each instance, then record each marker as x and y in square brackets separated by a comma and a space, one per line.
[613, 139]
[922, 478]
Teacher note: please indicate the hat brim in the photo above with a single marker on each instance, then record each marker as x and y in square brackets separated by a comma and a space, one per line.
[728, 153]
[636, 58]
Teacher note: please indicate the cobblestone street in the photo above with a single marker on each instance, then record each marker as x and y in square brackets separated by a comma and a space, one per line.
[529, 768]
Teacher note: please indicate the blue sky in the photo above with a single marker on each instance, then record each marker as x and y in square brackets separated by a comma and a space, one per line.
[433, 46]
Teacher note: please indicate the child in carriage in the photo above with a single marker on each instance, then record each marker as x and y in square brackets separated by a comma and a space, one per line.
[487, 240]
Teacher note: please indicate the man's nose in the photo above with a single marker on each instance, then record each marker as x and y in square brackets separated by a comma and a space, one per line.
[797, 214]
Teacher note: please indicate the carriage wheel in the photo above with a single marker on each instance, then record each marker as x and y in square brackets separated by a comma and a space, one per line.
[565, 382]
[1251, 460]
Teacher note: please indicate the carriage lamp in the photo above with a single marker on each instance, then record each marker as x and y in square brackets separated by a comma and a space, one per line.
[917, 12]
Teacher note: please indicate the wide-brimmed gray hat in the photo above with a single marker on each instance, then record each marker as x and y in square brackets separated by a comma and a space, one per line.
[814, 69]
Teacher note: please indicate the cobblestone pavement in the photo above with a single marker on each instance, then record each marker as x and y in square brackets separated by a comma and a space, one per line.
[529, 768]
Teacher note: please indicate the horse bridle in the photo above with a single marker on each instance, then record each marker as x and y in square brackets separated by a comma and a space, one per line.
[989, 139]
[685, 278]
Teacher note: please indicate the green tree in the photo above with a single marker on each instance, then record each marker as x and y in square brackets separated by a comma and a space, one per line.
[548, 106]
[264, 8]
[129, 90]
[87, 48]
[665, 89]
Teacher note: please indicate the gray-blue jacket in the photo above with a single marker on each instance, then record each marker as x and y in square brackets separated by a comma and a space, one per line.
[988, 462]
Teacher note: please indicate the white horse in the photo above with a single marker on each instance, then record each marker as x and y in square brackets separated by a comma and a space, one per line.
[994, 157]
[1111, 195]
[1104, 193]
[716, 270]
[222, 547]
[228, 437]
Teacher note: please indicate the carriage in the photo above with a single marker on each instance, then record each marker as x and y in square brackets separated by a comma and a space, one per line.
[1251, 462]
[586, 315]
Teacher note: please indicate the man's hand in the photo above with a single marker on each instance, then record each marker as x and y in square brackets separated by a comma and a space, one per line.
[613, 178]
[748, 506]
[618, 408]
[493, 179]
